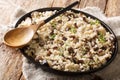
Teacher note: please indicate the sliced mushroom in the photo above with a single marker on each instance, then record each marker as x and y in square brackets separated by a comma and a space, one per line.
[70, 50]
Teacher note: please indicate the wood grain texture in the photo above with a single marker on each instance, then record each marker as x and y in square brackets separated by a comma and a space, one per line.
[22, 77]
[29, 5]
[10, 59]
[10, 63]
[63, 3]
[113, 8]
[93, 3]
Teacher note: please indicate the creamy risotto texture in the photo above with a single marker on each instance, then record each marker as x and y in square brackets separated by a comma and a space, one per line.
[70, 42]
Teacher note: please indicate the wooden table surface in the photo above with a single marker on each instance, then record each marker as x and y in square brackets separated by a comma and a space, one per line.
[11, 61]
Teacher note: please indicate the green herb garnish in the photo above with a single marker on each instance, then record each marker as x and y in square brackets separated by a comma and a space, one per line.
[84, 51]
[53, 24]
[101, 37]
[95, 22]
[52, 36]
[73, 30]
[61, 54]
[61, 51]
[66, 44]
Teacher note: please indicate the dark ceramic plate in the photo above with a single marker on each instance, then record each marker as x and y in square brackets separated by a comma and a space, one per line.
[45, 66]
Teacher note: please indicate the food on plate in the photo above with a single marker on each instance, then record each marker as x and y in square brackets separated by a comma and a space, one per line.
[70, 42]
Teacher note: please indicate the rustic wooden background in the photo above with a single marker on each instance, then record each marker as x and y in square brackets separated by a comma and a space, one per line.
[11, 64]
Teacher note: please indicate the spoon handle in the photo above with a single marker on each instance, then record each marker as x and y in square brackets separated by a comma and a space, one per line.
[61, 11]
[57, 14]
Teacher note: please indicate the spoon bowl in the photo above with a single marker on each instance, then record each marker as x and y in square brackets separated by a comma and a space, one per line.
[19, 37]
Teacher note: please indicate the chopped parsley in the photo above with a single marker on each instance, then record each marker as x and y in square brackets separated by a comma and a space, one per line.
[53, 24]
[101, 37]
[61, 51]
[84, 51]
[52, 36]
[73, 30]
[95, 22]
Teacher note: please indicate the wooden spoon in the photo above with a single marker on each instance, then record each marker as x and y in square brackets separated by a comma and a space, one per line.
[21, 36]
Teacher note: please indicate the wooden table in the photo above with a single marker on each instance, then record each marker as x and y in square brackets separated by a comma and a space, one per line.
[11, 61]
